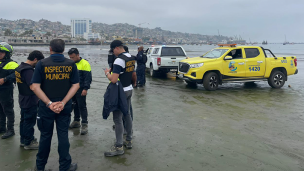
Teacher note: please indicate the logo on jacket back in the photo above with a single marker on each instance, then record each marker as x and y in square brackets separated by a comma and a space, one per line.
[130, 65]
[57, 72]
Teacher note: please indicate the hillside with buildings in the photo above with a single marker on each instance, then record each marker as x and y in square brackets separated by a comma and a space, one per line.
[83, 30]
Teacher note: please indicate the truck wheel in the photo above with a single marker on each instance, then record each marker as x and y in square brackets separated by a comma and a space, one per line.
[276, 79]
[211, 81]
[152, 72]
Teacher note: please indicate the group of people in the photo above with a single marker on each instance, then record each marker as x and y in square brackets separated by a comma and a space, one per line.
[50, 88]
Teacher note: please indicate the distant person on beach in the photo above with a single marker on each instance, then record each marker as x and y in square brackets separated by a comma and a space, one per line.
[141, 59]
[79, 100]
[123, 69]
[28, 101]
[55, 82]
[7, 80]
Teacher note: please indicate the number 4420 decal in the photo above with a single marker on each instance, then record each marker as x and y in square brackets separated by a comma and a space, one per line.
[254, 68]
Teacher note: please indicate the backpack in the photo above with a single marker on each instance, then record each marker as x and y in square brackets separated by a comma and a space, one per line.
[145, 58]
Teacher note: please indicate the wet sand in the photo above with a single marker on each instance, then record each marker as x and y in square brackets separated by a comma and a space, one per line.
[177, 127]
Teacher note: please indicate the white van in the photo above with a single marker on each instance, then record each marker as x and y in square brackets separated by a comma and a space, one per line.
[164, 58]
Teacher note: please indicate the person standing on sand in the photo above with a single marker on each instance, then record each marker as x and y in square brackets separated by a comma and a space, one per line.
[55, 82]
[79, 100]
[28, 101]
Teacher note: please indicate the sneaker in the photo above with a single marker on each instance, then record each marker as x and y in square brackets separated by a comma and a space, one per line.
[84, 129]
[114, 151]
[128, 144]
[73, 167]
[8, 134]
[75, 124]
[22, 145]
[34, 145]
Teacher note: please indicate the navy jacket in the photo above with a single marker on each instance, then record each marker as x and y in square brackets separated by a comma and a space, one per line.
[114, 99]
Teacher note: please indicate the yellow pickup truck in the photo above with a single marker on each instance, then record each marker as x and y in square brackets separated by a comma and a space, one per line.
[231, 63]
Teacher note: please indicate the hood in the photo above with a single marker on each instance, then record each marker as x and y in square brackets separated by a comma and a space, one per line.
[198, 60]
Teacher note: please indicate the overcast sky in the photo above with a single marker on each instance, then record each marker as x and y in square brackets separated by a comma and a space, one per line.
[258, 19]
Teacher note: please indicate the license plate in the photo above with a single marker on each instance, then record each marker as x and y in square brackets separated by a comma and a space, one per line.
[173, 70]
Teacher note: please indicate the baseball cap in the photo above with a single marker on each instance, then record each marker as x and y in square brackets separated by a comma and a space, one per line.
[114, 44]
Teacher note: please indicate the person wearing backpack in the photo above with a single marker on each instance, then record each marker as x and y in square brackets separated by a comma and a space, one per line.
[141, 67]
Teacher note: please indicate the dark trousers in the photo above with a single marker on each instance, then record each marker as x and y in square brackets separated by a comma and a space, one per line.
[140, 73]
[80, 108]
[45, 122]
[27, 123]
[7, 109]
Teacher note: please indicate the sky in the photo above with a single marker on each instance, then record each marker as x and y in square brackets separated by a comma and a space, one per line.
[256, 20]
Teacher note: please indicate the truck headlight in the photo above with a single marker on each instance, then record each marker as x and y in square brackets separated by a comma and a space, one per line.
[196, 65]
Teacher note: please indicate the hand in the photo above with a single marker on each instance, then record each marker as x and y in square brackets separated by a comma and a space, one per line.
[107, 70]
[2, 81]
[84, 92]
[134, 84]
[55, 107]
[60, 106]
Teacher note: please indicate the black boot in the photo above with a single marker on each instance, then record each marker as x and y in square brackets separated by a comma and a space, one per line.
[9, 133]
[73, 167]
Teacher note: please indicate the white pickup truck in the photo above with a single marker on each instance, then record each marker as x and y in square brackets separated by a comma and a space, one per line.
[164, 58]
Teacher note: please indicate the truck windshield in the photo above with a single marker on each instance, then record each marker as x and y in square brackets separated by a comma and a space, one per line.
[172, 51]
[215, 53]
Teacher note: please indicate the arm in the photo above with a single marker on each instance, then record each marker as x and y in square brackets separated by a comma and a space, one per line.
[112, 77]
[134, 78]
[35, 87]
[11, 66]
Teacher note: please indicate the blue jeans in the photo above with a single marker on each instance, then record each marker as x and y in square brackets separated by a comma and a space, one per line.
[27, 123]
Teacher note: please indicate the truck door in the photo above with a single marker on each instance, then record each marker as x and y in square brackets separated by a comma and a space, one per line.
[234, 68]
[149, 57]
[255, 62]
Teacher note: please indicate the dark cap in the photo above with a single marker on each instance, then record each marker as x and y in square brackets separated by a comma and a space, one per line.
[73, 50]
[114, 44]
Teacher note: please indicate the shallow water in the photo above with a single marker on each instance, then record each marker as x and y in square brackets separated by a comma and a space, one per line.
[177, 127]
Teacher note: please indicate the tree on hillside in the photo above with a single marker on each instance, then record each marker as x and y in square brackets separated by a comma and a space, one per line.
[8, 32]
[48, 34]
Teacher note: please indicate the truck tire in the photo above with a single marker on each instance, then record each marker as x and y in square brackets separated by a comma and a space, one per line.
[276, 79]
[211, 81]
[152, 71]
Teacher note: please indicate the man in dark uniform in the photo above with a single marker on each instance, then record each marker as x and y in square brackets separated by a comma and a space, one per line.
[123, 69]
[55, 82]
[141, 67]
[28, 101]
[79, 100]
[7, 79]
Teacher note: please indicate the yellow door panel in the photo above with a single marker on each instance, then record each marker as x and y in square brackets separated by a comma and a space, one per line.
[234, 68]
[255, 62]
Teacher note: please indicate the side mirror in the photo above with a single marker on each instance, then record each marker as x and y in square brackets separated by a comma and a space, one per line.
[228, 58]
